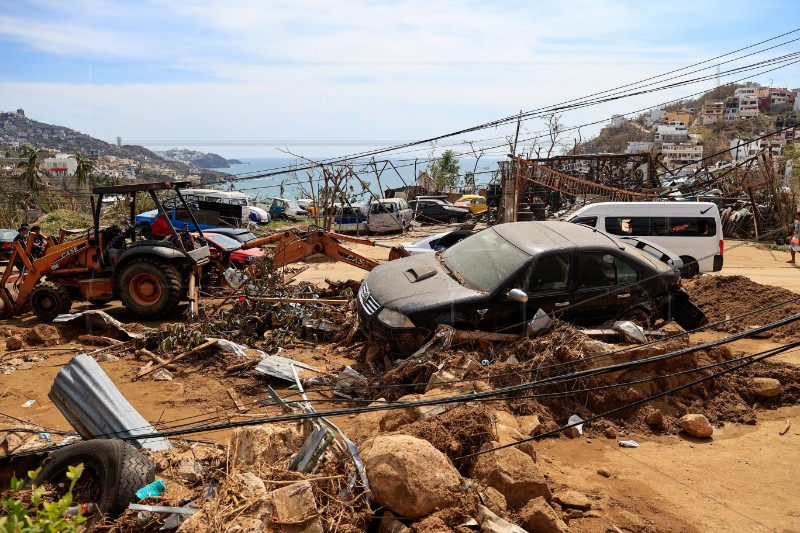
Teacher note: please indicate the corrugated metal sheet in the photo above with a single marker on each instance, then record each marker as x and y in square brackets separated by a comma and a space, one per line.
[93, 405]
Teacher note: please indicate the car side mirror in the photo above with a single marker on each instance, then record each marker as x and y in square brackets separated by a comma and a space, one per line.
[517, 295]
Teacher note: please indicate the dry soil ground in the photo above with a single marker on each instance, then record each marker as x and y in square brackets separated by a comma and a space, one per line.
[744, 479]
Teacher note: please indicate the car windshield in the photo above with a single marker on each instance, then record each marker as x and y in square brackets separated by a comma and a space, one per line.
[484, 260]
[245, 236]
[7, 233]
[293, 205]
[225, 242]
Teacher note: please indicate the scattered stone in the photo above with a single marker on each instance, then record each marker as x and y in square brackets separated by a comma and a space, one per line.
[593, 514]
[575, 513]
[786, 427]
[14, 343]
[529, 425]
[610, 433]
[505, 419]
[495, 501]
[696, 425]
[630, 521]
[191, 470]
[572, 432]
[258, 446]
[508, 435]
[654, 417]
[251, 486]
[43, 334]
[409, 476]
[512, 472]
[766, 387]
[294, 505]
[573, 499]
[538, 516]
[604, 472]
[106, 357]
[162, 374]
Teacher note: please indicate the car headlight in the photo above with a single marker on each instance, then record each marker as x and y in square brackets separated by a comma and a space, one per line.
[394, 319]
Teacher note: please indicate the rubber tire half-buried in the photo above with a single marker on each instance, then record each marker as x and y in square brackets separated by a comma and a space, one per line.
[117, 468]
[149, 288]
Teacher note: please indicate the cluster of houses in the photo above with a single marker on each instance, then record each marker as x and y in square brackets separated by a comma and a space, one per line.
[681, 148]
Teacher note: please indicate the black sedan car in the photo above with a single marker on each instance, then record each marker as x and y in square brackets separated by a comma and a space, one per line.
[432, 210]
[498, 278]
[6, 240]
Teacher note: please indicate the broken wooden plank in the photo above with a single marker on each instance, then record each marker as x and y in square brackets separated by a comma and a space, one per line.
[99, 339]
[236, 400]
[184, 355]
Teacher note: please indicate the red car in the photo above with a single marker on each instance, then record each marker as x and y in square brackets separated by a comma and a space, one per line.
[231, 250]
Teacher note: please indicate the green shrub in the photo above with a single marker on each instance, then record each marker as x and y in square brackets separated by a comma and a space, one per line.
[38, 515]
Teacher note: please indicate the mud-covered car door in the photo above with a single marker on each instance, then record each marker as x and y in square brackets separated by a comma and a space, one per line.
[546, 282]
[604, 285]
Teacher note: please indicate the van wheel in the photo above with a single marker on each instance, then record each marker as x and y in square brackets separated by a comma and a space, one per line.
[690, 267]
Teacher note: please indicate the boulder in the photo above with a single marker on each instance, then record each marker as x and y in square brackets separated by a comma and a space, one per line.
[512, 472]
[538, 517]
[409, 476]
[573, 500]
[508, 435]
[14, 342]
[653, 417]
[43, 334]
[190, 470]
[529, 425]
[505, 419]
[766, 387]
[495, 501]
[696, 425]
[256, 446]
[294, 509]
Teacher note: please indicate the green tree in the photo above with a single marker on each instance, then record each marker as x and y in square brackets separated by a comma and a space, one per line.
[85, 169]
[32, 167]
[444, 171]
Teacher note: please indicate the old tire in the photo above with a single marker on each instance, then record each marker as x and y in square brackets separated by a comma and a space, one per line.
[150, 289]
[690, 267]
[49, 300]
[114, 467]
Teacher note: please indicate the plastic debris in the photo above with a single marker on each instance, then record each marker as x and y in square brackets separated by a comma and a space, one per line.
[628, 444]
[28, 403]
[156, 488]
[575, 419]
[162, 509]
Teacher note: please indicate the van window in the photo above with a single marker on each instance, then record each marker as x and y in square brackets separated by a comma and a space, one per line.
[692, 226]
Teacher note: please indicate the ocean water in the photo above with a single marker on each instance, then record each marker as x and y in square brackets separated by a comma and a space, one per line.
[265, 177]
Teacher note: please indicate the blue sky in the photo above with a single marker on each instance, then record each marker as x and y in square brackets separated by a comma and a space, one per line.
[243, 78]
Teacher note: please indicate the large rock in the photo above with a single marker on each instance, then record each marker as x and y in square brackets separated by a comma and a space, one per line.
[14, 342]
[573, 500]
[696, 425]
[44, 334]
[653, 417]
[505, 419]
[495, 501]
[512, 472]
[529, 425]
[257, 446]
[766, 387]
[538, 517]
[409, 476]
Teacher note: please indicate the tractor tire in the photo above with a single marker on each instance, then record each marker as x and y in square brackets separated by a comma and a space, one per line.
[48, 300]
[112, 468]
[150, 288]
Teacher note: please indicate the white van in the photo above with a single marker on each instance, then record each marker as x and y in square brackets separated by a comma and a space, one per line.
[222, 197]
[691, 230]
[389, 214]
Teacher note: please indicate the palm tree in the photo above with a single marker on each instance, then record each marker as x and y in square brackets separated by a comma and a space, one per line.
[85, 169]
[32, 166]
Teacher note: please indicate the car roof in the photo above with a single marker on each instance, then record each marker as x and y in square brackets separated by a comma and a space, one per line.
[537, 237]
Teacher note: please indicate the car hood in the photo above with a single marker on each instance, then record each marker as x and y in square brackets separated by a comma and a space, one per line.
[416, 283]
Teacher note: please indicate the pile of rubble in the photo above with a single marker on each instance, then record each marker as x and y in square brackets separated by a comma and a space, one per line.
[445, 440]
